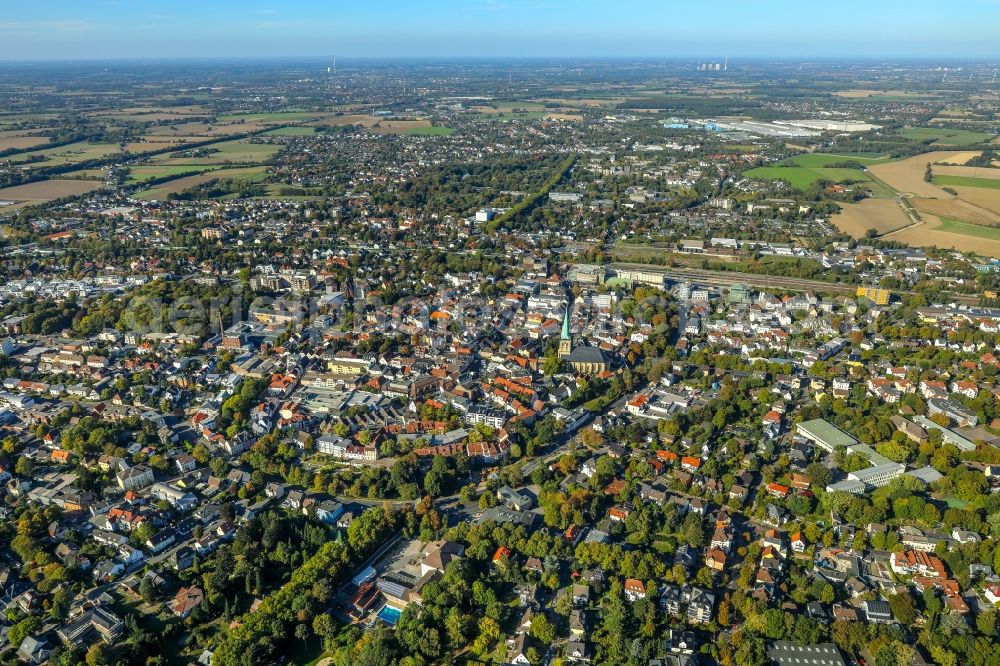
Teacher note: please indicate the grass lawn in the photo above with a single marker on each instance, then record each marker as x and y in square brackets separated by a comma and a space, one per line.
[663, 547]
[802, 177]
[430, 131]
[968, 181]
[944, 136]
[291, 131]
[953, 226]
[816, 160]
[955, 503]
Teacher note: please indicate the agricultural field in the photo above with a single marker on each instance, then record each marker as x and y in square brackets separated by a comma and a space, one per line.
[47, 190]
[951, 233]
[959, 209]
[71, 153]
[596, 103]
[945, 136]
[983, 197]
[271, 118]
[400, 126]
[966, 181]
[163, 190]
[430, 131]
[20, 142]
[882, 215]
[814, 160]
[966, 172]
[199, 129]
[223, 153]
[802, 171]
[291, 131]
[153, 145]
[141, 174]
[349, 119]
[882, 94]
[907, 175]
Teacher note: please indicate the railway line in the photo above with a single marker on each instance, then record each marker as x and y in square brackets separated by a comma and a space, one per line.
[728, 278]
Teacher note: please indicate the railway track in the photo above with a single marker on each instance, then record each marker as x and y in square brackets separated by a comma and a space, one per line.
[728, 278]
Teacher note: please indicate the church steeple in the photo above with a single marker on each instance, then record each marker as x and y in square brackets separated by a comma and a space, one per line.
[565, 340]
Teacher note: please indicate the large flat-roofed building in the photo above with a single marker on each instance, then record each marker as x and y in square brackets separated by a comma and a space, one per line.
[824, 434]
[948, 436]
[652, 278]
[955, 411]
[348, 366]
[791, 653]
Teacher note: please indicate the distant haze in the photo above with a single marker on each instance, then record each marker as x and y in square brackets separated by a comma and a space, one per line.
[75, 29]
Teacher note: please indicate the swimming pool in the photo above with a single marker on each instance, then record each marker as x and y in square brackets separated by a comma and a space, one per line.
[389, 615]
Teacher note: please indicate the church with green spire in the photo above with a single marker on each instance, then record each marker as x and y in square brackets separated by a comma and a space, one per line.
[584, 359]
[565, 340]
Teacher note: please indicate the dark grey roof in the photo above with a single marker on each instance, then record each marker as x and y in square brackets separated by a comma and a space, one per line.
[587, 354]
[791, 653]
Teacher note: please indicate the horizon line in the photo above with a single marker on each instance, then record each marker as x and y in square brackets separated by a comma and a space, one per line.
[460, 58]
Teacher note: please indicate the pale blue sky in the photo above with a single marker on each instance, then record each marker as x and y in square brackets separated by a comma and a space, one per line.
[71, 29]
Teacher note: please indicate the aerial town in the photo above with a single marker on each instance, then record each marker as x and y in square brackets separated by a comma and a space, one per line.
[687, 364]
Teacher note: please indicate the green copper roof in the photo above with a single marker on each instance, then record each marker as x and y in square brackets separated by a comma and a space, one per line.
[565, 329]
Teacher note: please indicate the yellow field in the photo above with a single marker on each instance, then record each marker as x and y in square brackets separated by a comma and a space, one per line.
[958, 209]
[960, 157]
[398, 126]
[575, 117]
[21, 142]
[930, 234]
[46, 190]
[982, 197]
[883, 215]
[967, 172]
[907, 175]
